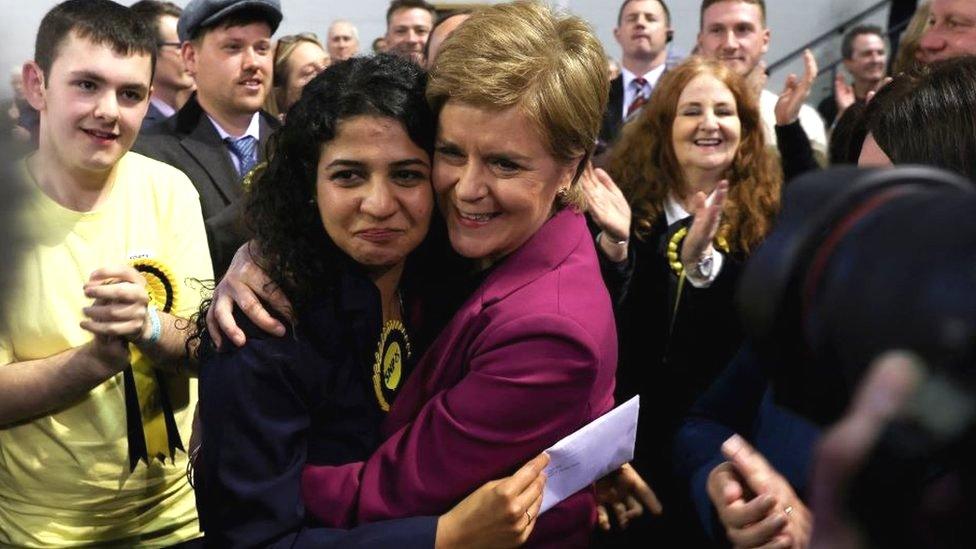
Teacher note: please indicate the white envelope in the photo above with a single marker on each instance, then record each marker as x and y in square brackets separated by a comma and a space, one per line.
[598, 448]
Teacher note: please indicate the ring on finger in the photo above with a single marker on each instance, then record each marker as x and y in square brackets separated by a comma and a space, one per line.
[788, 510]
[528, 515]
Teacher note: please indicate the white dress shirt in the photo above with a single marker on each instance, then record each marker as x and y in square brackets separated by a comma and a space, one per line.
[630, 89]
[253, 129]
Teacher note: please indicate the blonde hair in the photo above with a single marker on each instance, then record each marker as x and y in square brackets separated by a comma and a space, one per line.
[908, 45]
[522, 54]
[644, 164]
[284, 47]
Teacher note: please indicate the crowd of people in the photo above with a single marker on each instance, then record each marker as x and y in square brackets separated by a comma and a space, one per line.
[281, 292]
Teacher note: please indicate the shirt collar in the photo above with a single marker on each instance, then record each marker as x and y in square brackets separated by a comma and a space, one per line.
[163, 107]
[651, 77]
[253, 129]
[674, 211]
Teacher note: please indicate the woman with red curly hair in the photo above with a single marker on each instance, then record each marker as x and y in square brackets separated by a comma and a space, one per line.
[696, 152]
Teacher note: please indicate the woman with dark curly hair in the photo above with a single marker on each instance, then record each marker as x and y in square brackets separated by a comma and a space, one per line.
[696, 150]
[343, 204]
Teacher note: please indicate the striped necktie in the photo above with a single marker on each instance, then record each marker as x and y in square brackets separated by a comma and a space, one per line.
[246, 151]
[639, 99]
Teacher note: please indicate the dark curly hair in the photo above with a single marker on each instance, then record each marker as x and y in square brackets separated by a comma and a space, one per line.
[295, 251]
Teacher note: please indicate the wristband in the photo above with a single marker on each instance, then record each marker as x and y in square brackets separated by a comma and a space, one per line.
[155, 326]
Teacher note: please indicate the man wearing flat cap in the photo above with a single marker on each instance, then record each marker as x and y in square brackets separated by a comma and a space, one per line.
[219, 134]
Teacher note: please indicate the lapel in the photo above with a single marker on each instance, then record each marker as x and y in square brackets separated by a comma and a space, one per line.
[446, 362]
[201, 141]
[616, 102]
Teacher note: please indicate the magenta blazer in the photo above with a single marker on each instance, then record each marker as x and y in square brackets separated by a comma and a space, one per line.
[528, 359]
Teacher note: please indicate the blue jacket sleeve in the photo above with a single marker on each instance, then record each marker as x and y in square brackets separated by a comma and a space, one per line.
[740, 401]
[255, 417]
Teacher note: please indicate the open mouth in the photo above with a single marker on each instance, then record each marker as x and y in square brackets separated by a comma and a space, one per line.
[251, 83]
[478, 218]
[102, 135]
[710, 142]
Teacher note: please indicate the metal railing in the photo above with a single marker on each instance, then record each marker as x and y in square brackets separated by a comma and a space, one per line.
[833, 33]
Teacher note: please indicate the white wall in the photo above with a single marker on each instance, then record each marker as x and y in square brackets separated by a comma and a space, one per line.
[793, 22]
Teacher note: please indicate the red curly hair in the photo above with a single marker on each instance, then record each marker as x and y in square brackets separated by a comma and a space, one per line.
[644, 165]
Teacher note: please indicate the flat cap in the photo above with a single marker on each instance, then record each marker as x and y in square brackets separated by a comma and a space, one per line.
[205, 13]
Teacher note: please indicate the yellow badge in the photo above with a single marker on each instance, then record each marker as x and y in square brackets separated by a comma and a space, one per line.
[152, 431]
[391, 353]
[159, 283]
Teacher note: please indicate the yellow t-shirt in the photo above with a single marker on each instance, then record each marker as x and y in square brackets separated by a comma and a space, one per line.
[64, 477]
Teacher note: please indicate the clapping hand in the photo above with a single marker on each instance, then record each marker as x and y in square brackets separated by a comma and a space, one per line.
[795, 91]
[609, 209]
[703, 229]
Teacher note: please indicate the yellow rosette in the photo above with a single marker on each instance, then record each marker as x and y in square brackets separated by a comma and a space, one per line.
[152, 429]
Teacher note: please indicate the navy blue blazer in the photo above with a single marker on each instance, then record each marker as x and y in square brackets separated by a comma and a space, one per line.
[741, 401]
[278, 403]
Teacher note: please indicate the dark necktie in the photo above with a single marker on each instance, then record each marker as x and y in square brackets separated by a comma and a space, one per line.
[246, 151]
[639, 99]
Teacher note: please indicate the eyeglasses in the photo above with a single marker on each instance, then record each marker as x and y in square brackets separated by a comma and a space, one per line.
[171, 44]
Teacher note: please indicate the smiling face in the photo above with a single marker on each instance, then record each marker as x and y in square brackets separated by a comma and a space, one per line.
[407, 32]
[869, 58]
[232, 67]
[373, 191]
[306, 61]
[495, 180]
[643, 30]
[91, 102]
[706, 131]
[733, 33]
[951, 31]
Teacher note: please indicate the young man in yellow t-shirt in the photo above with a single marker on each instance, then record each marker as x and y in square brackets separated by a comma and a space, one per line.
[95, 410]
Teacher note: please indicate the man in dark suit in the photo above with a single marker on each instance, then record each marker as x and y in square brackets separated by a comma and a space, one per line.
[219, 134]
[172, 85]
[643, 32]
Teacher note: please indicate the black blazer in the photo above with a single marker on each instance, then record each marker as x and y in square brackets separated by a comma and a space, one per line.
[278, 403]
[613, 117]
[153, 116]
[188, 141]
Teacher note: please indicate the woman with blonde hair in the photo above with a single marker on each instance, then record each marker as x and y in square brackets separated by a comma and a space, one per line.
[529, 356]
[696, 150]
[298, 59]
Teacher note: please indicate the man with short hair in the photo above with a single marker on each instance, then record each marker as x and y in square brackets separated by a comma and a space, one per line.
[408, 25]
[219, 135]
[951, 31]
[172, 84]
[866, 59]
[643, 32]
[735, 33]
[95, 405]
[343, 40]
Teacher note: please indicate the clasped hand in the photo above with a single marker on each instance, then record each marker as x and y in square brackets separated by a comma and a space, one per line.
[118, 314]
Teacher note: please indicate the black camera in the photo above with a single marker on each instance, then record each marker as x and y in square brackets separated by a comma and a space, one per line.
[861, 262]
